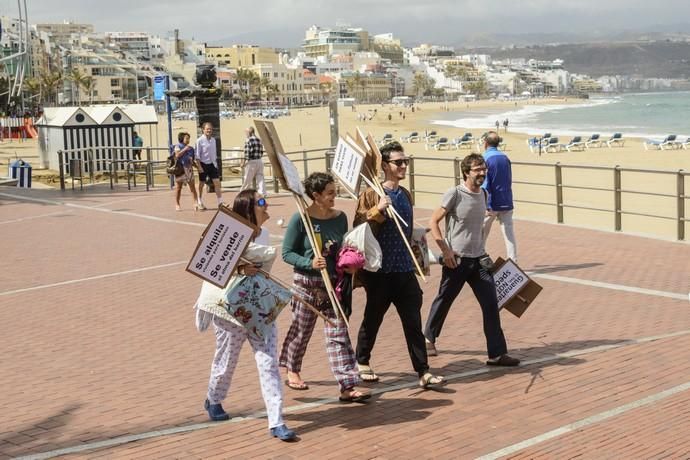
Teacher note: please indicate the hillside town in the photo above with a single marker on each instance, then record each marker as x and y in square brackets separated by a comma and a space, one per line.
[72, 63]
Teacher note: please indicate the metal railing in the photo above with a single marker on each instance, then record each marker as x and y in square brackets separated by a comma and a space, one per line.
[430, 183]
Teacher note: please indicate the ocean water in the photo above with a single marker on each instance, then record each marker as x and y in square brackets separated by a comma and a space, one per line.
[647, 115]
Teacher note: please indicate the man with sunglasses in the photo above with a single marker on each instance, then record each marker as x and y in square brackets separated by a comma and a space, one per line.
[464, 208]
[395, 282]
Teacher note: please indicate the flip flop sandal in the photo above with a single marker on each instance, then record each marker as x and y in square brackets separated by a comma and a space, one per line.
[430, 380]
[355, 399]
[367, 374]
[298, 386]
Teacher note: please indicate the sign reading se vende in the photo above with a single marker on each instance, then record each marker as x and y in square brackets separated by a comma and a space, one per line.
[220, 247]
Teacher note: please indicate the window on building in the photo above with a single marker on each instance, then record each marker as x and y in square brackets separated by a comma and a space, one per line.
[114, 82]
[253, 59]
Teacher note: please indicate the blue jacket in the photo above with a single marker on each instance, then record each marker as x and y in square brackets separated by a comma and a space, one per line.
[499, 179]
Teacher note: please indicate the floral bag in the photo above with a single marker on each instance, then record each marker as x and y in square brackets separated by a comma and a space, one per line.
[255, 302]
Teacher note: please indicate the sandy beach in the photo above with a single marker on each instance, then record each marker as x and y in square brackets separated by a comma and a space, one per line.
[307, 129]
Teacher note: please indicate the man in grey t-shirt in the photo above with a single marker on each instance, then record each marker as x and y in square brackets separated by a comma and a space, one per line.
[463, 208]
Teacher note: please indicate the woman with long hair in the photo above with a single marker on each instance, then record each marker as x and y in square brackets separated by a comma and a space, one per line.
[184, 153]
[231, 333]
[329, 226]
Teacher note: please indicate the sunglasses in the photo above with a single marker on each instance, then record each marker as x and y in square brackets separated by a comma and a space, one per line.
[261, 202]
[405, 162]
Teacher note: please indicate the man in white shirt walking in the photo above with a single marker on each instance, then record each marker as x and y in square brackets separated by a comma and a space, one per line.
[208, 163]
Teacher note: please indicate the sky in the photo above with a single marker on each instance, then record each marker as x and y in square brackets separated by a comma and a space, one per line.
[281, 23]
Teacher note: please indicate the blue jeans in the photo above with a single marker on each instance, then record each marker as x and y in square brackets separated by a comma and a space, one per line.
[482, 283]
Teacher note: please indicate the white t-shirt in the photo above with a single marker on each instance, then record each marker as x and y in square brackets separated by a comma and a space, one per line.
[206, 150]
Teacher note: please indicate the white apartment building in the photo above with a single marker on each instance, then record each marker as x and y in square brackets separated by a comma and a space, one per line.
[136, 43]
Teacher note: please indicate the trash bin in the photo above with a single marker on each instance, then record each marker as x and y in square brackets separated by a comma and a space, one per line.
[75, 168]
[21, 170]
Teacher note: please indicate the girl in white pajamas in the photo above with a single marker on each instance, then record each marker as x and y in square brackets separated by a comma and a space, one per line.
[231, 334]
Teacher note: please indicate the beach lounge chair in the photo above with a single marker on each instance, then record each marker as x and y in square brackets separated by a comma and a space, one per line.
[575, 144]
[533, 144]
[686, 144]
[388, 137]
[412, 137]
[616, 139]
[463, 142]
[441, 143]
[594, 141]
[669, 141]
[431, 137]
[552, 145]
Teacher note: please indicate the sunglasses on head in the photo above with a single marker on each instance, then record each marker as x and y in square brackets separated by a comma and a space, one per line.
[261, 202]
[405, 162]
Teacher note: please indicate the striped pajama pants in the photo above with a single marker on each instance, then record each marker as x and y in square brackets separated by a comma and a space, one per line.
[341, 356]
[229, 340]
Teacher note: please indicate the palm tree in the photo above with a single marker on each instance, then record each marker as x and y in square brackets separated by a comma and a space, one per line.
[326, 88]
[264, 83]
[34, 87]
[247, 79]
[358, 82]
[87, 83]
[51, 82]
[78, 80]
[420, 83]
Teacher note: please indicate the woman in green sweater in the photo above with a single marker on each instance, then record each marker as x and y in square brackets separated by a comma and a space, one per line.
[329, 225]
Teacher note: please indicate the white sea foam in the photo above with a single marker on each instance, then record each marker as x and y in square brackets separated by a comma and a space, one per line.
[529, 120]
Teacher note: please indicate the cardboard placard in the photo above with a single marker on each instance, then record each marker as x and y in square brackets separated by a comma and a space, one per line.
[273, 148]
[291, 175]
[347, 165]
[220, 247]
[374, 158]
[514, 289]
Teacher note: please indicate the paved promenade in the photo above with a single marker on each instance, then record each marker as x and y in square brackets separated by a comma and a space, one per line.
[101, 359]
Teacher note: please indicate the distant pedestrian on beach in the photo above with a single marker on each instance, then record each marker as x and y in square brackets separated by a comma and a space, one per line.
[252, 164]
[390, 117]
[505, 125]
[498, 125]
[206, 156]
[137, 143]
[498, 184]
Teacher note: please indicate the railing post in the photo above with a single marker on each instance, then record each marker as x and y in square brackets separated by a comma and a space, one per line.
[617, 207]
[680, 189]
[305, 166]
[61, 169]
[457, 172]
[410, 171]
[110, 173]
[559, 193]
[328, 160]
[91, 166]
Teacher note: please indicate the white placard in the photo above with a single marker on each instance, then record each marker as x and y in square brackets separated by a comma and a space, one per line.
[347, 165]
[509, 281]
[291, 175]
[220, 248]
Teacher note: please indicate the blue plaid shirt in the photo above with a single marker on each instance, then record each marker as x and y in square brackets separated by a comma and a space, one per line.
[396, 257]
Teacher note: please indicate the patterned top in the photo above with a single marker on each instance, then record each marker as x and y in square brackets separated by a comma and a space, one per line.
[253, 150]
[396, 257]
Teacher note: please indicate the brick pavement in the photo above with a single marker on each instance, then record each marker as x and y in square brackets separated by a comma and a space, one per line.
[99, 343]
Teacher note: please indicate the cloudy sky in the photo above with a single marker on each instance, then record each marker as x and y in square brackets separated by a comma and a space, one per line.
[282, 22]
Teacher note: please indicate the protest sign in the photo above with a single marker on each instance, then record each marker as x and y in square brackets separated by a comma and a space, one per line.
[347, 165]
[514, 289]
[220, 247]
